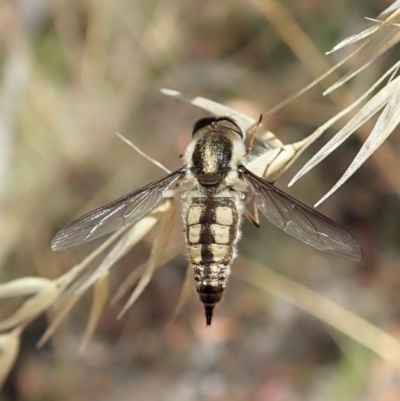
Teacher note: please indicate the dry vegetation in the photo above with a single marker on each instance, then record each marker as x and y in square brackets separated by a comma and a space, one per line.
[296, 324]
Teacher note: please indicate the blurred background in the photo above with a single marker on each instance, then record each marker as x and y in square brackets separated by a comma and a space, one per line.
[75, 72]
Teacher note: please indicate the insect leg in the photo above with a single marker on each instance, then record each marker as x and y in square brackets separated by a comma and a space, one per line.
[255, 219]
[252, 135]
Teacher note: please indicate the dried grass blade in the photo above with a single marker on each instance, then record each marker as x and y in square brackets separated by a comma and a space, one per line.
[364, 114]
[160, 244]
[393, 7]
[130, 238]
[387, 122]
[77, 291]
[305, 143]
[369, 31]
[272, 164]
[61, 313]
[347, 322]
[267, 138]
[186, 291]
[261, 165]
[315, 81]
[355, 38]
[66, 279]
[25, 286]
[100, 295]
[246, 122]
[213, 107]
[143, 154]
[347, 77]
[392, 41]
[135, 275]
[69, 291]
[42, 293]
[9, 347]
[62, 305]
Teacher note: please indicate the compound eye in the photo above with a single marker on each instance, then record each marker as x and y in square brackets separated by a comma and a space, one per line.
[222, 124]
[229, 124]
[202, 123]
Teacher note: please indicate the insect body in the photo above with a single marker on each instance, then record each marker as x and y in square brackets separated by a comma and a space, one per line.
[212, 212]
[214, 178]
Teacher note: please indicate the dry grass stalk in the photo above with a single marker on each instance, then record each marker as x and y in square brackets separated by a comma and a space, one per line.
[9, 347]
[365, 333]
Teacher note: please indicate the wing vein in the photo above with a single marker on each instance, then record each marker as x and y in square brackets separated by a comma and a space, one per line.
[301, 221]
[114, 215]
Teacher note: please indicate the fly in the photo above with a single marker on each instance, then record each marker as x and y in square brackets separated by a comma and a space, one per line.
[214, 177]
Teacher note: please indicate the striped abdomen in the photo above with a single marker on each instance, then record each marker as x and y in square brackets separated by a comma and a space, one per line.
[211, 235]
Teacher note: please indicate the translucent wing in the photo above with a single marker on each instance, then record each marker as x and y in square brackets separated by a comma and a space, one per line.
[114, 215]
[300, 220]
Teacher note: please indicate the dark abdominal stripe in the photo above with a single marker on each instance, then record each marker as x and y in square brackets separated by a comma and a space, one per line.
[208, 234]
[212, 228]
